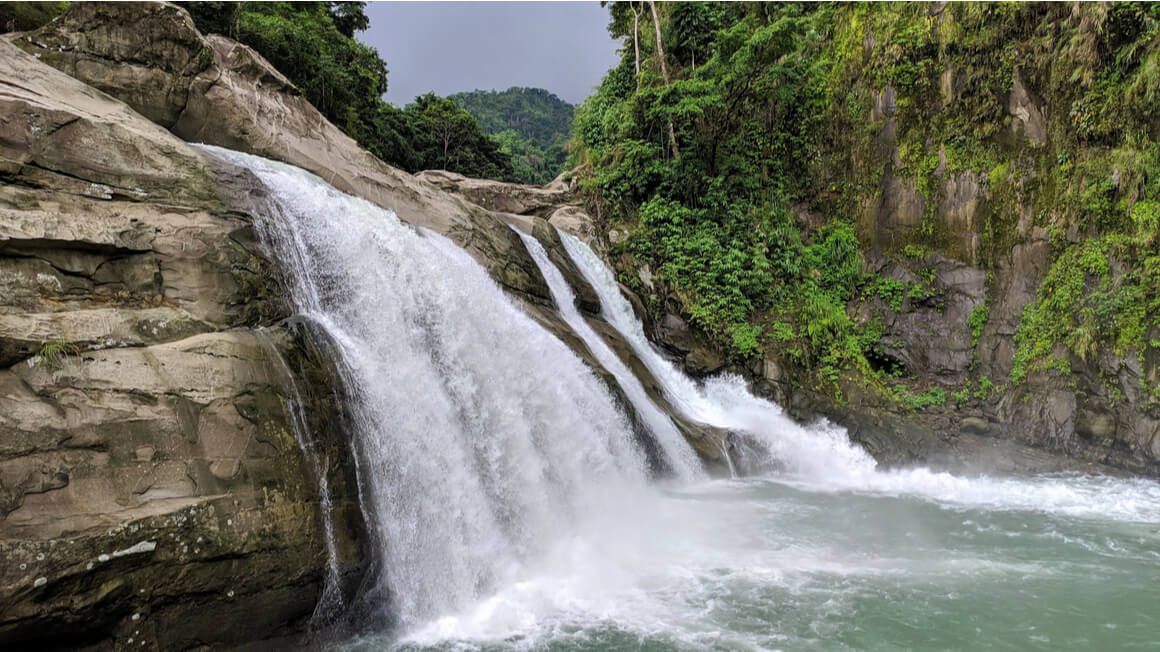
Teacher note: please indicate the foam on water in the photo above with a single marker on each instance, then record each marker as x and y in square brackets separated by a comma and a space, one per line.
[821, 457]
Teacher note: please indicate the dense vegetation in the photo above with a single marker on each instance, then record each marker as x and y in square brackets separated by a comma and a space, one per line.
[531, 124]
[740, 155]
[313, 44]
[23, 16]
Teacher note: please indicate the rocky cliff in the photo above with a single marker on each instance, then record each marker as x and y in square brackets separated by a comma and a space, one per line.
[151, 471]
[171, 438]
[994, 166]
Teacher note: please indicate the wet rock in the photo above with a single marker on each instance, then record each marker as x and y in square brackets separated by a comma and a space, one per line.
[586, 298]
[149, 475]
[703, 361]
[1024, 107]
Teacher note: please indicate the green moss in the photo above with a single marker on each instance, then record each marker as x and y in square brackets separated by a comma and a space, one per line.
[976, 321]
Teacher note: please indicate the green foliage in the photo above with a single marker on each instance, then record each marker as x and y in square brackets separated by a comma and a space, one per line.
[986, 389]
[532, 126]
[531, 112]
[26, 16]
[691, 28]
[715, 222]
[802, 105]
[961, 396]
[976, 321]
[911, 401]
[890, 290]
[54, 353]
[446, 137]
[313, 44]
[1082, 305]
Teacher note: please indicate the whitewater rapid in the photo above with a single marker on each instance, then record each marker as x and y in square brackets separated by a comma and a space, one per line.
[679, 456]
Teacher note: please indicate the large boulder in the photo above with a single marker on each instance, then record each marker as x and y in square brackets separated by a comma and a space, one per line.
[500, 196]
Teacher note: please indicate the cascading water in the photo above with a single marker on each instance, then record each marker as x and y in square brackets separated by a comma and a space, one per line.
[821, 456]
[678, 454]
[513, 509]
[483, 437]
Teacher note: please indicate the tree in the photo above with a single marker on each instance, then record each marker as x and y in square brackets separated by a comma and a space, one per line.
[349, 17]
[664, 74]
[636, 41]
[313, 44]
[448, 138]
[692, 25]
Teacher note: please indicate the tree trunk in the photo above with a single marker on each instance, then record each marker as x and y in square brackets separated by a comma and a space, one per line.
[660, 47]
[664, 74]
[636, 42]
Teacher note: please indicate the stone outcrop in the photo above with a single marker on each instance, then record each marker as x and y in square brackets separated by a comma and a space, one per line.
[219, 92]
[151, 473]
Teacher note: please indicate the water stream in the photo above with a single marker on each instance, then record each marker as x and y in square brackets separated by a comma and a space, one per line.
[515, 507]
[679, 456]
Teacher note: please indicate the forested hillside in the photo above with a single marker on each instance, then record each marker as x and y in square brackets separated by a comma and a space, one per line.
[531, 124]
[812, 184]
[313, 44]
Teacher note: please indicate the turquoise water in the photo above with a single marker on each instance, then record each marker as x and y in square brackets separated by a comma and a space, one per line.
[767, 564]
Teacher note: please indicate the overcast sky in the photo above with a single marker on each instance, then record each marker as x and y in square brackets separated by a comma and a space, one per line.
[449, 47]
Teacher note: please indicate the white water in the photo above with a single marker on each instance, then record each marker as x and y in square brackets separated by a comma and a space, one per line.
[679, 456]
[514, 510]
[484, 438]
[821, 457]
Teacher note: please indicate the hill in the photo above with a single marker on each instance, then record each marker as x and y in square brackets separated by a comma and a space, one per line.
[531, 124]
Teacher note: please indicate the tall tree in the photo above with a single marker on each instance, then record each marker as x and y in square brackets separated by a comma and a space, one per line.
[636, 40]
[664, 74]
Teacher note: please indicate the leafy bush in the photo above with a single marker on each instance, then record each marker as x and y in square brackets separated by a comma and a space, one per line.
[911, 401]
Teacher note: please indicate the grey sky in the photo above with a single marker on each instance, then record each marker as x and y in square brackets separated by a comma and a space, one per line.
[449, 47]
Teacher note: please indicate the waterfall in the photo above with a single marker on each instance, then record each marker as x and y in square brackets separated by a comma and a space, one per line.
[820, 456]
[510, 505]
[678, 454]
[821, 452]
[482, 439]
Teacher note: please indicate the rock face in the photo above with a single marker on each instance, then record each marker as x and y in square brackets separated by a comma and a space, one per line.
[162, 417]
[151, 475]
[967, 245]
[220, 92]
